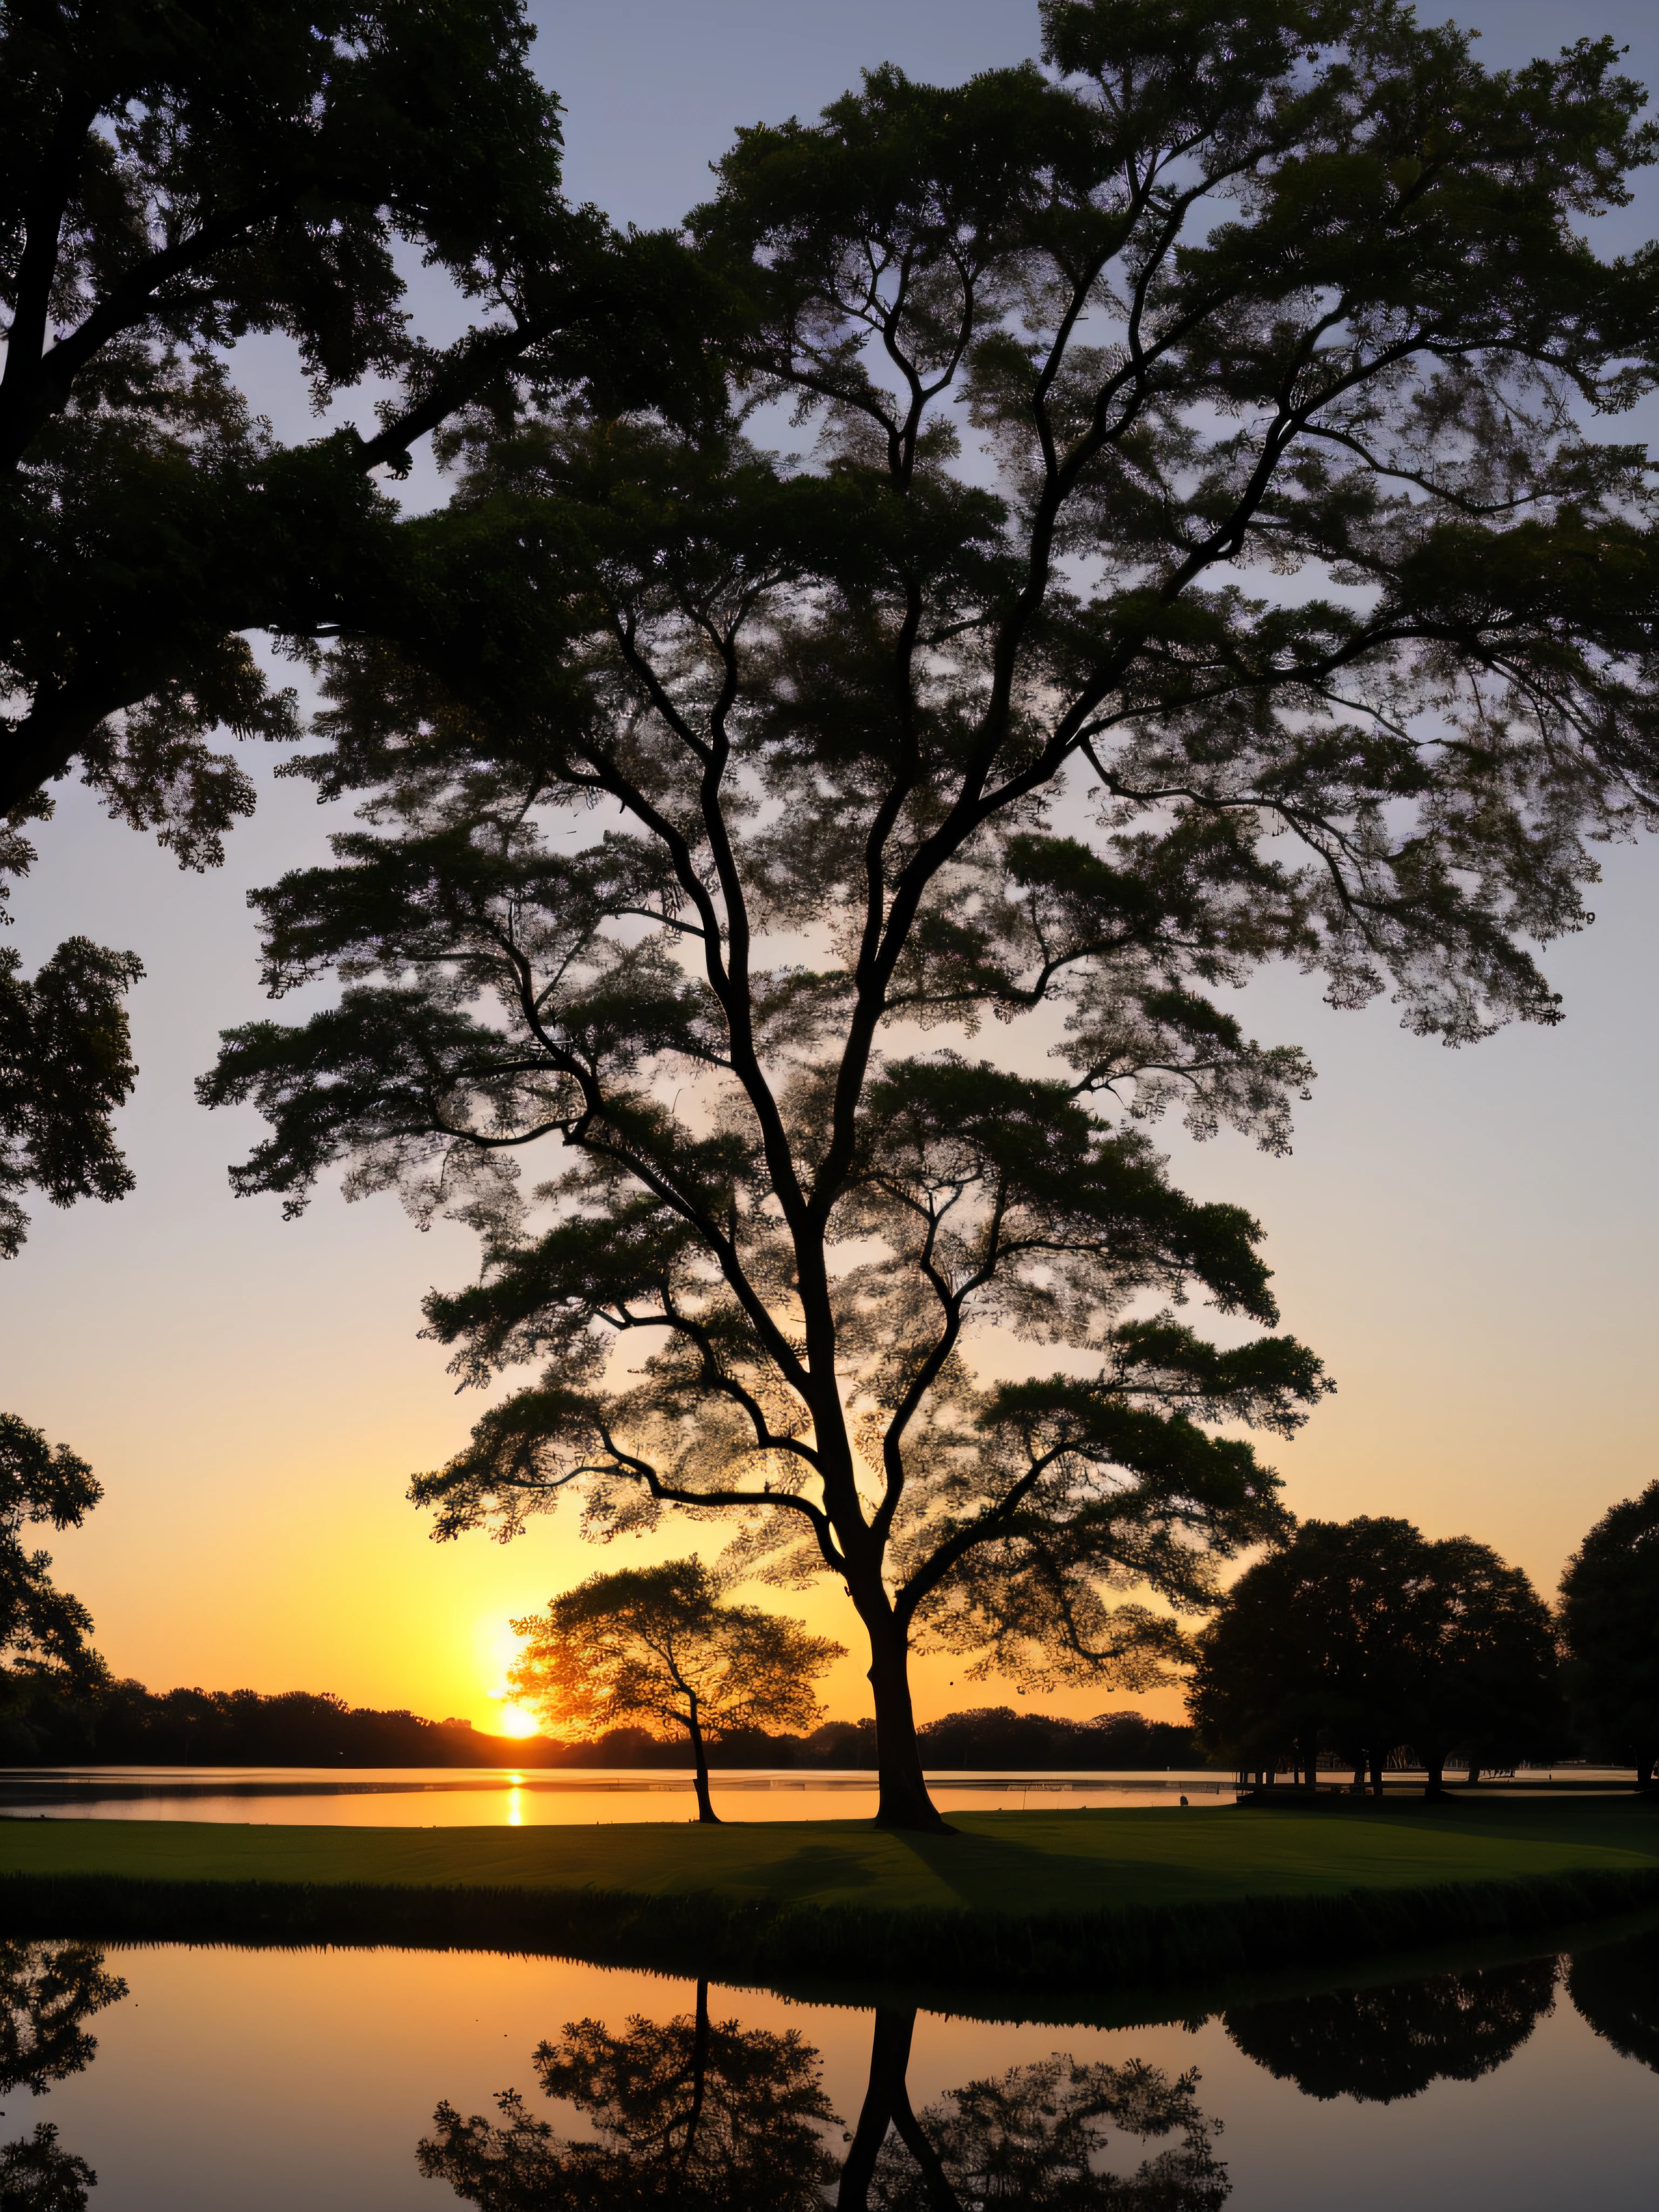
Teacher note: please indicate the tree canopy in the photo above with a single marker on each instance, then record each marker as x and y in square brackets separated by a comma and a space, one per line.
[660, 1646]
[1282, 609]
[174, 182]
[1361, 1636]
[1381, 2045]
[1054, 2133]
[43, 1630]
[1610, 1625]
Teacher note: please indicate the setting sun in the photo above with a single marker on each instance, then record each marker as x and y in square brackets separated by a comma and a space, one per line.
[513, 1721]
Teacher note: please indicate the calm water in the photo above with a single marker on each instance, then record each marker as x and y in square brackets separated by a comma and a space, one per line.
[195, 2081]
[445, 1797]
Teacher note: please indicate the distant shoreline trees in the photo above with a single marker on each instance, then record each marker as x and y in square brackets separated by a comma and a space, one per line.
[123, 1724]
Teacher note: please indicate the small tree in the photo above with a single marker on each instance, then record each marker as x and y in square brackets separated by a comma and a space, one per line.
[1610, 1625]
[881, 748]
[1363, 1635]
[658, 1645]
[43, 1630]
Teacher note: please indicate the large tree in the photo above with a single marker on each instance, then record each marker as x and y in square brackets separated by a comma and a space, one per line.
[1610, 1625]
[175, 180]
[881, 743]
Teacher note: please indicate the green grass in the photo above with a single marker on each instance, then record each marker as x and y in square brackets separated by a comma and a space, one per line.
[1029, 1900]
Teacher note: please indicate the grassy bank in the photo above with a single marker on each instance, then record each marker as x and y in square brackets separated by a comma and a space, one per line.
[1031, 1900]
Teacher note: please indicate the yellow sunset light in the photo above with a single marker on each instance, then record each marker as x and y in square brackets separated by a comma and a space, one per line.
[515, 1721]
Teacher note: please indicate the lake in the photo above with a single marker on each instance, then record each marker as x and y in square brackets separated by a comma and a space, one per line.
[432, 1797]
[195, 2080]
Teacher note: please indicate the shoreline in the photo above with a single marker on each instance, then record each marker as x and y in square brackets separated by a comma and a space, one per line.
[1110, 1902]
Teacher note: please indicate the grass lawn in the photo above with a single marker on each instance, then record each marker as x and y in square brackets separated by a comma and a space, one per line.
[1002, 1864]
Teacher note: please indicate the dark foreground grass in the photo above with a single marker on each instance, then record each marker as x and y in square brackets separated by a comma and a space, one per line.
[1012, 1901]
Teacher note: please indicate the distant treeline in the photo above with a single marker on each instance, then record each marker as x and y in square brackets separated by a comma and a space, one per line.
[124, 1724]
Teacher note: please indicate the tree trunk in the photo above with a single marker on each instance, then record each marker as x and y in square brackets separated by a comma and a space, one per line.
[1434, 1763]
[1644, 1772]
[887, 2104]
[699, 2075]
[1359, 1773]
[904, 1802]
[1475, 1768]
[1377, 1760]
[706, 1812]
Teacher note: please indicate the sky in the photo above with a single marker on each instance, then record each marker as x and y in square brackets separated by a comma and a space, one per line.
[1468, 1238]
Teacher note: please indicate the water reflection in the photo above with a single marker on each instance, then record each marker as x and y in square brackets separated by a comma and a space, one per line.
[47, 1992]
[1037, 2135]
[688, 2112]
[1384, 2043]
[714, 2117]
[1615, 1988]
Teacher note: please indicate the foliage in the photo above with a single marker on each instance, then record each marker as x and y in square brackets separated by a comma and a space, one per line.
[1380, 2044]
[47, 1991]
[689, 2112]
[1364, 1635]
[43, 1630]
[1037, 2134]
[66, 1066]
[883, 742]
[1616, 1987]
[996, 1736]
[659, 1646]
[36, 2176]
[173, 182]
[1610, 1625]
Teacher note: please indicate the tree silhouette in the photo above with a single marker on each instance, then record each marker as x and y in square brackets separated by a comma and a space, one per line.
[1363, 1634]
[176, 179]
[1616, 1988]
[1610, 1624]
[658, 1645]
[719, 800]
[43, 1630]
[1036, 2136]
[36, 2176]
[687, 2113]
[1384, 2044]
[47, 1992]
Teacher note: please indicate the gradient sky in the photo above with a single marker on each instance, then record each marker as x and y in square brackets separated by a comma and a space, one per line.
[1468, 1238]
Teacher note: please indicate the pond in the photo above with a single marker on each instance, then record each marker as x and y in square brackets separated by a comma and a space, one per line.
[192, 2080]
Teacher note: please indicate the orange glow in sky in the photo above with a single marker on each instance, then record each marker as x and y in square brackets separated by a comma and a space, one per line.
[515, 1721]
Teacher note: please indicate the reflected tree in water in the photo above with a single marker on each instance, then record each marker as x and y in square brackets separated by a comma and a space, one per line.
[1616, 1988]
[47, 1991]
[1381, 2045]
[36, 2176]
[690, 2111]
[1036, 2135]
